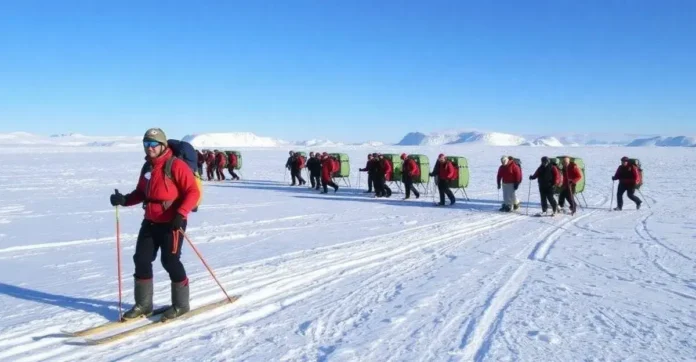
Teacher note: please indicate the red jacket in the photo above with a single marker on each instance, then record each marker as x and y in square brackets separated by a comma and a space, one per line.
[628, 175]
[221, 160]
[166, 197]
[411, 167]
[446, 172]
[388, 169]
[232, 160]
[571, 174]
[326, 169]
[210, 159]
[510, 173]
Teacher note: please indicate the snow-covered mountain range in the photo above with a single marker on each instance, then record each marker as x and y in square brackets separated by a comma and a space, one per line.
[251, 140]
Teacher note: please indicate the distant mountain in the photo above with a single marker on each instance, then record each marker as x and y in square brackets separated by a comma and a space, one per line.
[450, 138]
[67, 140]
[544, 142]
[679, 141]
[318, 143]
[233, 139]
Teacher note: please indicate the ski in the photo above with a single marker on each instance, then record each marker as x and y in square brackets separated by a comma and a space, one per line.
[112, 325]
[158, 322]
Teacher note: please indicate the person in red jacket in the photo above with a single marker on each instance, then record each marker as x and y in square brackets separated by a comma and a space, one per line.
[444, 171]
[511, 175]
[628, 176]
[220, 164]
[327, 169]
[409, 171]
[210, 165]
[231, 164]
[383, 173]
[571, 176]
[167, 203]
[549, 177]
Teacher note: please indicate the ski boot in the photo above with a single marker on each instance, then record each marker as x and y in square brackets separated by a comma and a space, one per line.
[638, 205]
[617, 209]
[516, 206]
[143, 300]
[180, 301]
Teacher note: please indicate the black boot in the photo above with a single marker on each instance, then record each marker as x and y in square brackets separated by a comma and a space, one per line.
[180, 301]
[143, 300]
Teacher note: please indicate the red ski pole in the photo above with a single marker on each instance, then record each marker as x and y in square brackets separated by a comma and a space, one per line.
[206, 265]
[118, 262]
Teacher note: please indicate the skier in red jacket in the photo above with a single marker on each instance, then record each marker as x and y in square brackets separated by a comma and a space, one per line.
[210, 165]
[167, 203]
[628, 176]
[220, 164]
[199, 162]
[327, 170]
[409, 171]
[571, 176]
[231, 164]
[511, 175]
[382, 173]
[444, 171]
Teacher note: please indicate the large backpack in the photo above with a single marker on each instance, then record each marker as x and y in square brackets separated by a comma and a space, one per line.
[185, 152]
[636, 163]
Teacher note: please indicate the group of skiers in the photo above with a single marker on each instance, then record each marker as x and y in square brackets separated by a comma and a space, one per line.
[215, 163]
[321, 168]
[167, 208]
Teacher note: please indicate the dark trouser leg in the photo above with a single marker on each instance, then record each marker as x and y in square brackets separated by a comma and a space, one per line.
[543, 193]
[567, 195]
[312, 181]
[145, 249]
[200, 170]
[386, 190]
[234, 174]
[317, 182]
[445, 190]
[369, 183]
[333, 184]
[631, 191]
[325, 185]
[552, 200]
[209, 171]
[170, 242]
[619, 195]
[379, 186]
[407, 186]
[300, 179]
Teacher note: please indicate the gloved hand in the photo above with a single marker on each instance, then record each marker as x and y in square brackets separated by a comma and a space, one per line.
[177, 222]
[498, 186]
[531, 177]
[613, 178]
[517, 185]
[117, 199]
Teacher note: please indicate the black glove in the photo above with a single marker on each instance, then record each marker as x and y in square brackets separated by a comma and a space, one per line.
[517, 185]
[498, 186]
[531, 177]
[177, 222]
[613, 178]
[118, 199]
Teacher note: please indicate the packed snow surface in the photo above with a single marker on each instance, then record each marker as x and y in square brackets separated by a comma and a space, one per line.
[344, 277]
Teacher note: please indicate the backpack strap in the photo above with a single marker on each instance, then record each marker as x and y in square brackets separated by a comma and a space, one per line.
[168, 168]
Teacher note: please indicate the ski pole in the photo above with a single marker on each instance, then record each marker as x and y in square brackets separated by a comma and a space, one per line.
[611, 203]
[646, 201]
[529, 195]
[206, 265]
[118, 263]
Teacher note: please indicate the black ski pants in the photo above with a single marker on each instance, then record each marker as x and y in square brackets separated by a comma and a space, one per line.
[154, 237]
[296, 175]
[445, 190]
[630, 190]
[200, 170]
[370, 182]
[408, 186]
[325, 184]
[210, 171]
[232, 173]
[315, 180]
[546, 193]
[567, 194]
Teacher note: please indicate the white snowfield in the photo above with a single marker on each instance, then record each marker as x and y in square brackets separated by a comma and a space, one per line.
[344, 277]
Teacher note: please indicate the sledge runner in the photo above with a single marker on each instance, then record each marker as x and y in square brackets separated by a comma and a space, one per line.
[370, 169]
[570, 177]
[511, 175]
[314, 167]
[408, 172]
[628, 176]
[167, 203]
[327, 170]
[210, 165]
[548, 177]
[232, 164]
[444, 172]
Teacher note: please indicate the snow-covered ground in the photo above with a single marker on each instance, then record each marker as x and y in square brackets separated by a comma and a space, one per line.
[344, 277]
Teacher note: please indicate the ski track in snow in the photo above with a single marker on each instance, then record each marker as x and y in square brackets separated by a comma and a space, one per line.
[344, 277]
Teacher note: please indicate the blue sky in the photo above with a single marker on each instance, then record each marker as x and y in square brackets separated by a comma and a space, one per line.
[347, 70]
